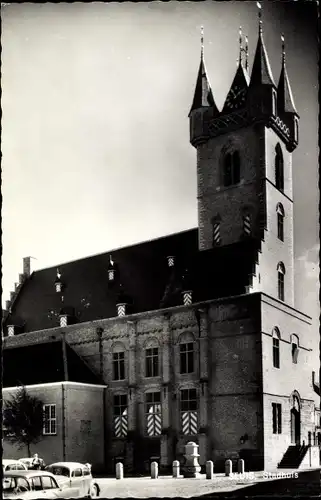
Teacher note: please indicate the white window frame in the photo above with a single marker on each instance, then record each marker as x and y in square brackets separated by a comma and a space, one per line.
[51, 420]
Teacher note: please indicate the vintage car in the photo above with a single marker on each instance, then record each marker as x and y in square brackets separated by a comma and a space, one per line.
[75, 474]
[34, 484]
[8, 464]
[29, 461]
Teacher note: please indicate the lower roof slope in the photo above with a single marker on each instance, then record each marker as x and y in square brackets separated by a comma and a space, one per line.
[143, 275]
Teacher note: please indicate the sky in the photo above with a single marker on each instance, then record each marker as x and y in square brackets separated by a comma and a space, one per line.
[95, 130]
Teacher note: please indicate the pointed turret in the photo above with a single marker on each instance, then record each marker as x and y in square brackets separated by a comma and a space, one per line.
[203, 108]
[203, 96]
[262, 88]
[286, 110]
[284, 95]
[236, 97]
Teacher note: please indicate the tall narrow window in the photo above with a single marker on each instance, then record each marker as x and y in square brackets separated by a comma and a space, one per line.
[187, 357]
[296, 129]
[294, 348]
[280, 221]
[279, 168]
[120, 415]
[153, 413]
[232, 168]
[118, 365]
[281, 273]
[216, 231]
[276, 347]
[273, 103]
[247, 223]
[189, 416]
[277, 418]
[151, 362]
[49, 419]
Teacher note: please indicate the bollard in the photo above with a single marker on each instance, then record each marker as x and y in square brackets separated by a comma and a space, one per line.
[240, 466]
[119, 471]
[209, 469]
[228, 467]
[154, 470]
[191, 467]
[176, 468]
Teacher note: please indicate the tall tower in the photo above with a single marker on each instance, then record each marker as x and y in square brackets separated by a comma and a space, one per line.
[244, 167]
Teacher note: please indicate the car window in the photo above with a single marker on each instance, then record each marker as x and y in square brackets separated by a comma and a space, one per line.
[36, 483]
[58, 471]
[20, 467]
[77, 473]
[86, 471]
[22, 483]
[8, 484]
[47, 483]
[11, 467]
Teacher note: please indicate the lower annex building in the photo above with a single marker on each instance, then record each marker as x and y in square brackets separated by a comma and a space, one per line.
[195, 335]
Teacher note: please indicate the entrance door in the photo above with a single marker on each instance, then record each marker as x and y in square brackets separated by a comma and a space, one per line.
[295, 427]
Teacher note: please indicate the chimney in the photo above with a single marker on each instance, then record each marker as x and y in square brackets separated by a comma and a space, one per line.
[27, 266]
[8, 304]
[11, 330]
[171, 261]
[21, 278]
[12, 296]
[16, 285]
[63, 319]
[187, 297]
[121, 309]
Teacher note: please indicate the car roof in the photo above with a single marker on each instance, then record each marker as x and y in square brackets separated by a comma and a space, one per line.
[28, 473]
[71, 465]
[10, 461]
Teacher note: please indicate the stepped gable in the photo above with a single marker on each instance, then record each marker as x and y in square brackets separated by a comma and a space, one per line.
[43, 363]
[143, 270]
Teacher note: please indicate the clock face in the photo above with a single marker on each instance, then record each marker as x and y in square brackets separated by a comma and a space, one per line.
[235, 98]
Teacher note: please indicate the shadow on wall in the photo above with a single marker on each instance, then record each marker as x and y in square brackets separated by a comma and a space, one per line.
[307, 484]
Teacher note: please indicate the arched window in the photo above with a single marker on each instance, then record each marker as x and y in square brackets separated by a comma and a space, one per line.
[186, 353]
[296, 129]
[276, 347]
[273, 102]
[294, 348]
[118, 352]
[281, 273]
[280, 221]
[231, 169]
[279, 168]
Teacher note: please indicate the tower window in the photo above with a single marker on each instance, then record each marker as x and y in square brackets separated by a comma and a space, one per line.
[294, 348]
[276, 347]
[232, 164]
[280, 221]
[296, 129]
[279, 168]
[281, 273]
[277, 418]
[216, 232]
[273, 103]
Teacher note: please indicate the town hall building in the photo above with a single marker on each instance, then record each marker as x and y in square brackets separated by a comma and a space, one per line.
[193, 336]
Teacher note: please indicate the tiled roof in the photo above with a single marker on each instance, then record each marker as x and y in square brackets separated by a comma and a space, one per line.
[43, 363]
[148, 283]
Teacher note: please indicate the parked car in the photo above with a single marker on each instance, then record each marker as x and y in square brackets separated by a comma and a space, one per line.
[8, 464]
[32, 484]
[75, 474]
[29, 462]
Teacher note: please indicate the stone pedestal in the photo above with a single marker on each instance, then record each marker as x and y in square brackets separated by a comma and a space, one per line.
[191, 467]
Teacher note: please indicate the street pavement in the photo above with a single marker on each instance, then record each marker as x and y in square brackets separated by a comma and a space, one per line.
[308, 483]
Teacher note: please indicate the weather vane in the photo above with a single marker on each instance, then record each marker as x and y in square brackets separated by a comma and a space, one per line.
[259, 6]
[202, 40]
[283, 48]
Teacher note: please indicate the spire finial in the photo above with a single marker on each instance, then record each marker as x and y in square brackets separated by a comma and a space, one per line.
[283, 48]
[246, 53]
[202, 41]
[240, 44]
[259, 6]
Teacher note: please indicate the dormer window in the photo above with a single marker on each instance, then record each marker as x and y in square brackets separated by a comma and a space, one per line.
[121, 309]
[11, 330]
[171, 261]
[231, 169]
[63, 319]
[187, 297]
[58, 282]
[111, 269]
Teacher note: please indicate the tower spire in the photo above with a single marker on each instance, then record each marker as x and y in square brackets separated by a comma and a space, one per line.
[285, 97]
[261, 70]
[259, 6]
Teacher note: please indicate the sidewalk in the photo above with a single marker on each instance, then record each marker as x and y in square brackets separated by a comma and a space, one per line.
[308, 482]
